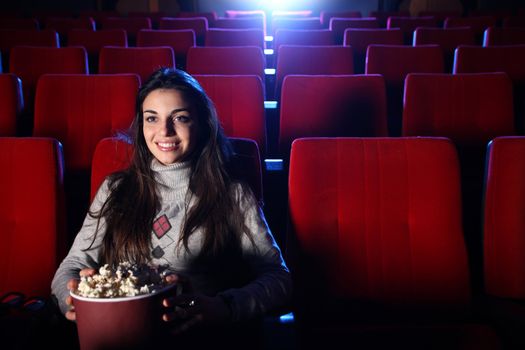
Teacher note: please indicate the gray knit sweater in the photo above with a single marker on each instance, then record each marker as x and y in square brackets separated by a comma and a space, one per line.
[269, 288]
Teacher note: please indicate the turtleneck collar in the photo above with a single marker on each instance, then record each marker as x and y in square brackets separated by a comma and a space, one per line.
[175, 178]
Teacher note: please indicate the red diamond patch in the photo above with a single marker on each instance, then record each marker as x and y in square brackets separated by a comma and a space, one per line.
[161, 226]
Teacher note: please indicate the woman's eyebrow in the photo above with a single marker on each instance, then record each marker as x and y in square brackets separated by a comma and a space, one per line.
[174, 111]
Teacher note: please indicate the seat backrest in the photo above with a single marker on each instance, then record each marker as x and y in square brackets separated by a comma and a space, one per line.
[79, 110]
[113, 154]
[19, 23]
[477, 59]
[95, 40]
[360, 38]
[312, 60]
[62, 25]
[326, 16]
[179, 40]
[394, 62]
[234, 37]
[407, 25]
[30, 62]
[301, 23]
[210, 16]
[239, 23]
[239, 100]
[470, 109]
[380, 225]
[226, 60]
[382, 16]
[478, 24]
[321, 37]
[11, 103]
[328, 106]
[142, 61]
[130, 24]
[32, 214]
[198, 24]
[338, 26]
[514, 21]
[10, 38]
[495, 36]
[503, 218]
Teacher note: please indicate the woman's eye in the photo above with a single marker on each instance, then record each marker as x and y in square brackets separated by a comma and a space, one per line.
[150, 119]
[182, 119]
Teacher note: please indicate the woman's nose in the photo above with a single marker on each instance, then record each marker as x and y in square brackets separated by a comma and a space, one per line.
[168, 127]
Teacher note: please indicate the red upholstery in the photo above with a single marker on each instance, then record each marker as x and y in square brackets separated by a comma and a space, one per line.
[179, 40]
[508, 59]
[234, 37]
[504, 227]
[382, 16]
[239, 100]
[19, 23]
[409, 24]
[312, 60]
[79, 110]
[326, 16]
[321, 37]
[495, 36]
[198, 24]
[130, 24]
[394, 62]
[11, 103]
[382, 218]
[113, 154]
[93, 41]
[447, 38]
[142, 61]
[338, 26]
[63, 25]
[231, 60]
[308, 23]
[347, 105]
[478, 24]
[210, 16]
[440, 15]
[247, 14]
[514, 21]
[32, 214]
[239, 23]
[360, 38]
[470, 109]
[30, 62]
[10, 38]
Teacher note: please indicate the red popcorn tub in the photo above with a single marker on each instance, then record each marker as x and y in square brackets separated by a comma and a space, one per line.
[120, 309]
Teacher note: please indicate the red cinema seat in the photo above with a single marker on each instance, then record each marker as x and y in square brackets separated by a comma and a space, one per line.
[319, 37]
[234, 37]
[312, 60]
[447, 38]
[239, 100]
[326, 16]
[508, 59]
[62, 25]
[394, 62]
[360, 38]
[198, 24]
[142, 61]
[93, 41]
[478, 24]
[11, 103]
[80, 110]
[496, 36]
[329, 106]
[407, 25]
[179, 40]
[10, 38]
[377, 223]
[130, 24]
[338, 26]
[226, 60]
[32, 214]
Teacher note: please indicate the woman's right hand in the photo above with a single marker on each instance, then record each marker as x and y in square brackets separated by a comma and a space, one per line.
[72, 284]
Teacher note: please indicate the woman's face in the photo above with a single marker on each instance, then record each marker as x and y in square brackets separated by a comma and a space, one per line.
[170, 126]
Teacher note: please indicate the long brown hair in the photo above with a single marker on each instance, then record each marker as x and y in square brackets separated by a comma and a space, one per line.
[133, 201]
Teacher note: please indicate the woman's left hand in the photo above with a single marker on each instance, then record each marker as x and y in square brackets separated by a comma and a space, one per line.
[189, 309]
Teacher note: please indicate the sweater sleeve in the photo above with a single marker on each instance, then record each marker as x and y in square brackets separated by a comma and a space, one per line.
[84, 252]
[271, 288]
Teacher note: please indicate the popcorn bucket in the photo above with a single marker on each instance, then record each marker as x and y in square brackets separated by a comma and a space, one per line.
[120, 323]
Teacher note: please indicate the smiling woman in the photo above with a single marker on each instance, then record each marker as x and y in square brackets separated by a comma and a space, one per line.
[178, 204]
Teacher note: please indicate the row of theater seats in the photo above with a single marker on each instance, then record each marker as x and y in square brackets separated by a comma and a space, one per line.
[375, 237]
